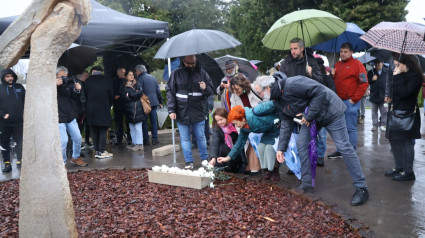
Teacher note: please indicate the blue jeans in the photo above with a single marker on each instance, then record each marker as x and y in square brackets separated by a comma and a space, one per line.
[136, 133]
[321, 142]
[154, 126]
[351, 114]
[74, 132]
[199, 129]
[338, 132]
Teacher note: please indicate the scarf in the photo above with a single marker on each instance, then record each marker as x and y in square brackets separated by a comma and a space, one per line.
[227, 131]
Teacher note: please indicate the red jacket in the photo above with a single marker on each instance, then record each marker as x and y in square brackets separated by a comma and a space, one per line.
[350, 79]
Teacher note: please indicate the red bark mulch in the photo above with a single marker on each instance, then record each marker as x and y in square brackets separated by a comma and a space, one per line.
[119, 203]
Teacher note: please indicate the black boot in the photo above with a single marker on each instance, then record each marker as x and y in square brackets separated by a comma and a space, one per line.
[7, 167]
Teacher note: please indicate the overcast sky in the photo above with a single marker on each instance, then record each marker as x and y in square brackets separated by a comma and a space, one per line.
[14, 7]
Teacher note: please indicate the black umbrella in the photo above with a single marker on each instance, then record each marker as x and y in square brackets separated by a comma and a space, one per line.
[213, 69]
[385, 56]
[76, 59]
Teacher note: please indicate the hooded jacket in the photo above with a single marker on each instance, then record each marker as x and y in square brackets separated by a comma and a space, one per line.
[12, 100]
[293, 95]
[185, 96]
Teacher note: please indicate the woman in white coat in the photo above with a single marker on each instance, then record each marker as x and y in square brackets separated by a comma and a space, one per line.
[243, 95]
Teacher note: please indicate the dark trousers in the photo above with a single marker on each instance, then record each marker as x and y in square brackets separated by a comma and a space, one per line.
[98, 134]
[119, 126]
[82, 125]
[154, 126]
[404, 154]
[17, 132]
[233, 165]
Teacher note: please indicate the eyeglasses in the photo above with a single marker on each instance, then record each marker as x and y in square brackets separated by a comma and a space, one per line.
[189, 63]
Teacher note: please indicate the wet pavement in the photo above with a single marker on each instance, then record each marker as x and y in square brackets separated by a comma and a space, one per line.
[394, 209]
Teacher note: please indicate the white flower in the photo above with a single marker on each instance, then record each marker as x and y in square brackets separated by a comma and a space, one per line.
[276, 121]
[156, 168]
[205, 163]
[211, 185]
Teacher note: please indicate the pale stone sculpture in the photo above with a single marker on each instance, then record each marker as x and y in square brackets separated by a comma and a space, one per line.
[50, 26]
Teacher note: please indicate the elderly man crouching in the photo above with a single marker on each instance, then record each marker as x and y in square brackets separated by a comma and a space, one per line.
[300, 96]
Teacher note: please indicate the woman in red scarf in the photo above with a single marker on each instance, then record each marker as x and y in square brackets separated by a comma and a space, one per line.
[223, 137]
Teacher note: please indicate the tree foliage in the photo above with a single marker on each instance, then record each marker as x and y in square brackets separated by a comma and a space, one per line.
[366, 13]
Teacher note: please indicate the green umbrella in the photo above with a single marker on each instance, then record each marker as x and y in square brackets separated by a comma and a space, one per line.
[313, 26]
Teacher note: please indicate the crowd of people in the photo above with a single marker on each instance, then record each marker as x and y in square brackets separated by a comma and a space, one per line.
[300, 93]
[300, 89]
[84, 108]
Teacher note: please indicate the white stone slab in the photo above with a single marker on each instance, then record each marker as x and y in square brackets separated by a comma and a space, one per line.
[179, 180]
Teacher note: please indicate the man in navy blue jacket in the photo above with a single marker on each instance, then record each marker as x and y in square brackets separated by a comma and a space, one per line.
[12, 100]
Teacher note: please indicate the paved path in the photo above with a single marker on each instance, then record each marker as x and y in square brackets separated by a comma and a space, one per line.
[395, 209]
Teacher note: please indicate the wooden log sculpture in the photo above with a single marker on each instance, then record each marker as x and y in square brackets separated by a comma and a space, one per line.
[50, 27]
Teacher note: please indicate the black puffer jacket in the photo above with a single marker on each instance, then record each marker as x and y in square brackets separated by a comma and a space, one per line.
[185, 96]
[293, 95]
[133, 106]
[12, 100]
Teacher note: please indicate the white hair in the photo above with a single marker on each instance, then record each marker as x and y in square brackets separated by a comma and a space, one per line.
[264, 81]
[61, 68]
[141, 68]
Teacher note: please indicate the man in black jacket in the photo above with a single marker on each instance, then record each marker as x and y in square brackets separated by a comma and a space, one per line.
[68, 94]
[12, 100]
[299, 64]
[187, 91]
[378, 78]
[150, 88]
[300, 96]
[119, 108]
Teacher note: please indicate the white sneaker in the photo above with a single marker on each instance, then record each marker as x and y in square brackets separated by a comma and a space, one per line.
[383, 128]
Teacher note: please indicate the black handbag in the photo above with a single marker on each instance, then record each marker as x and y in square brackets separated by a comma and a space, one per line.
[401, 120]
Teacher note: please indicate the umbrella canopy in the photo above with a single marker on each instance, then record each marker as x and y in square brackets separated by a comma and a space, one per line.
[313, 26]
[385, 56]
[114, 31]
[400, 37]
[244, 65]
[77, 58]
[366, 58]
[351, 34]
[195, 42]
[213, 69]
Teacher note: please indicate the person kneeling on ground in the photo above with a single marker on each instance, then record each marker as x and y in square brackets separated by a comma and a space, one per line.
[260, 119]
[224, 137]
[300, 95]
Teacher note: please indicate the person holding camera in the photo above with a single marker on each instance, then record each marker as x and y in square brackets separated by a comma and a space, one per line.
[68, 92]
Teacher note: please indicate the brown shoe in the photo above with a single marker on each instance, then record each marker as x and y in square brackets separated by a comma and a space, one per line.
[267, 174]
[275, 175]
[79, 161]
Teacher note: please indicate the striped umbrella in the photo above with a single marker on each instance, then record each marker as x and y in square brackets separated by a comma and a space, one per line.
[400, 37]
